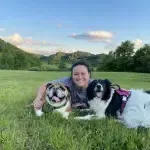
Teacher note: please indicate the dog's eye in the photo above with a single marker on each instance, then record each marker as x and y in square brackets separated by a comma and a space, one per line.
[60, 93]
[61, 88]
[50, 93]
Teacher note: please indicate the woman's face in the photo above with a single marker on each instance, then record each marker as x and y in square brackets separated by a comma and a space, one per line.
[80, 76]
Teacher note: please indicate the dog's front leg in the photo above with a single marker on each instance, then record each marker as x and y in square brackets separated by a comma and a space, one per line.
[87, 117]
[38, 112]
[65, 115]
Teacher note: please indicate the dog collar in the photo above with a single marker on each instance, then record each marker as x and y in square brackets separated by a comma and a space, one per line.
[61, 105]
[48, 108]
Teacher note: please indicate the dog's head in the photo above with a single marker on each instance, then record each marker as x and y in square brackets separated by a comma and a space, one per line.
[57, 94]
[100, 89]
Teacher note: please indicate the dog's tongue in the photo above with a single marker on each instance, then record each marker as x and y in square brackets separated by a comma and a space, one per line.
[56, 99]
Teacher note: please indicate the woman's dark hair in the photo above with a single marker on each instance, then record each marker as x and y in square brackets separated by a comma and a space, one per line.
[83, 64]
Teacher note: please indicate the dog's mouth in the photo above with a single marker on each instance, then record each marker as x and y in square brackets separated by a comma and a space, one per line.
[99, 94]
[98, 91]
[56, 101]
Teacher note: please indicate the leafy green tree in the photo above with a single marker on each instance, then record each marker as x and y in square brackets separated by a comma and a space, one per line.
[12, 57]
[126, 49]
[142, 59]
[7, 59]
[62, 66]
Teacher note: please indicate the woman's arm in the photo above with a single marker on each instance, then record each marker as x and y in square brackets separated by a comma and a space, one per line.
[40, 98]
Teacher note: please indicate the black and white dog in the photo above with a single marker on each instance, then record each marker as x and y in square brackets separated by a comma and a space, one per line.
[130, 107]
[58, 98]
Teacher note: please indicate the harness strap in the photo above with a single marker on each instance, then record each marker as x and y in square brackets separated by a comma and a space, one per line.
[125, 95]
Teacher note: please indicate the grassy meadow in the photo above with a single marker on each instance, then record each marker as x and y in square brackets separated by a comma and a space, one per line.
[20, 129]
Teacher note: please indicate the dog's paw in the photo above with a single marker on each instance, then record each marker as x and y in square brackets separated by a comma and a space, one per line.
[78, 118]
[66, 115]
[38, 113]
[87, 117]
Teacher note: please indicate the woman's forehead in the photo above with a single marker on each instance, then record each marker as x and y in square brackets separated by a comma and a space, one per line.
[80, 68]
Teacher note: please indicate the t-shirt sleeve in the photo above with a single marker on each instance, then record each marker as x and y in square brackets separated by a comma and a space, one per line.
[64, 80]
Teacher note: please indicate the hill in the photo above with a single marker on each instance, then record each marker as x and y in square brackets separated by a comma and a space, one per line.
[14, 58]
[70, 58]
[11, 57]
[122, 59]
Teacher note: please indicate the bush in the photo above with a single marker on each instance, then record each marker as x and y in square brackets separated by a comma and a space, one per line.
[34, 69]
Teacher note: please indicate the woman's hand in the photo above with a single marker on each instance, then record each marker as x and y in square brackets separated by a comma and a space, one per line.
[40, 99]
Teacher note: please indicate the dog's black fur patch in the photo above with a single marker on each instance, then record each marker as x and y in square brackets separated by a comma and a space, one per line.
[107, 91]
[114, 106]
[90, 92]
[148, 91]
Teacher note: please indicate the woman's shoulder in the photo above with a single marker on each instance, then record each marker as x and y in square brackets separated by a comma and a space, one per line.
[90, 80]
[63, 80]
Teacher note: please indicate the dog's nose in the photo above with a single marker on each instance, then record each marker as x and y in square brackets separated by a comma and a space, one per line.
[54, 94]
[98, 86]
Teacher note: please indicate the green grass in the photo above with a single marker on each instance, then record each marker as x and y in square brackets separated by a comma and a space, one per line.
[20, 129]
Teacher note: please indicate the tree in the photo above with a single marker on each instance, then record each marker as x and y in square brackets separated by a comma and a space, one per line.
[142, 59]
[7, 59]
[125, 49]
[106, 62]
[62, 66]
[12, 57]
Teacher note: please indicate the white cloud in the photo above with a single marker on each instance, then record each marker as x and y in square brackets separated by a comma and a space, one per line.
[2, 29]
[17, 39]
[95, 36]
[138, 43]
[30, 45]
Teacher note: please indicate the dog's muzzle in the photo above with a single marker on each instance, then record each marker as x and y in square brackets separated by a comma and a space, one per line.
[98, 91]
[57, 95]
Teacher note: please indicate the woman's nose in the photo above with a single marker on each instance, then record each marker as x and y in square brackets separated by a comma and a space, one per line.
[79, 76]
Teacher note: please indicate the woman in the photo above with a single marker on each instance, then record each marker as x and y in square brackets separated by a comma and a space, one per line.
[78, 82]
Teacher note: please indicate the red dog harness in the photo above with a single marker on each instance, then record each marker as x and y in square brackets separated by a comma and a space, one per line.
[125, 95]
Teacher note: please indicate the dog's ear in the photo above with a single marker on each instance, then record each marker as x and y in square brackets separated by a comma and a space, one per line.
[48, 84]
[107, 82]
[67, 87]
[90, 88]
[107, 90]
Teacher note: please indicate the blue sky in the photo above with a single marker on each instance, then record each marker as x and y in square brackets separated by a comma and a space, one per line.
[95, 26]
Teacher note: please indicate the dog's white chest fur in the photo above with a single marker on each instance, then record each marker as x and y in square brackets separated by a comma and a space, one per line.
[64, 110]
[99, 106]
